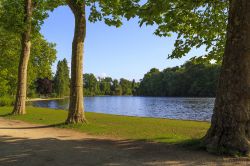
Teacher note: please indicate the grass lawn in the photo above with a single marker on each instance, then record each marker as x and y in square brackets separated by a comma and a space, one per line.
[149, 129]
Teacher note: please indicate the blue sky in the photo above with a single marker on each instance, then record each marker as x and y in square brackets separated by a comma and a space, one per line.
[126, 52]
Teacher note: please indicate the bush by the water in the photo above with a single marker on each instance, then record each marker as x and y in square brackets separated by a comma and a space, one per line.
[7, 101]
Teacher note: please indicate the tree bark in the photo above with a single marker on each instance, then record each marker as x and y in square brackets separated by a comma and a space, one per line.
[76, 107]
[230, 126]
[19, 107]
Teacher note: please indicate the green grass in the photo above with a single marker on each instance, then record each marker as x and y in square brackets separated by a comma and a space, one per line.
[149, 129]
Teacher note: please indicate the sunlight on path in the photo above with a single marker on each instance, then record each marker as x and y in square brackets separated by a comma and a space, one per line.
[25, 144]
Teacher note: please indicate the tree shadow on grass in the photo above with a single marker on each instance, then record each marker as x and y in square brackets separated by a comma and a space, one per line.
[190, 144]
[97, 152]
[34, 127]
[6, 115]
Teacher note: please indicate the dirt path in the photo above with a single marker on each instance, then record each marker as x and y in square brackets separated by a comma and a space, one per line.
[24, 144]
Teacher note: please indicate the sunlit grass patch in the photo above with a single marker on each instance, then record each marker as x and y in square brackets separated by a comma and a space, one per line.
[124, 127]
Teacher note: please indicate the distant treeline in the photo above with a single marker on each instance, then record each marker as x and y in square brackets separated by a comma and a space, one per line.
[59, 85]
[189, 80]
[107, 86]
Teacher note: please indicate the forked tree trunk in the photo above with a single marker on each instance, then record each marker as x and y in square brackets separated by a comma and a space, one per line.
[76, 108]
[19, 107]
[230, 129]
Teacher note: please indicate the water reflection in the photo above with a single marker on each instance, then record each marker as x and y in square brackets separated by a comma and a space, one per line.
[159, 107]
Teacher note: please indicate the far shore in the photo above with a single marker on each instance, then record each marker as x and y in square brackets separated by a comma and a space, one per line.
[44, 99]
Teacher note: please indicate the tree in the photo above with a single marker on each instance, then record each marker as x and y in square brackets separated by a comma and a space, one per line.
[17, 16]
[9, 43]
[90, 85]
[110, 11]
[19, 107]
[126, 86]
[116, 88]
[108, 86]
[105, 86]
[61, 80]
[44, 86]
[172, 78]
[42, 56]
[203, 23]
[196, 23]
[202, 79]
[230, 129]
[76, 109]
[135, 86]
[148, 85]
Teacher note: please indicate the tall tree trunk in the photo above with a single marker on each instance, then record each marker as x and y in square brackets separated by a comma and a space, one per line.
[19, 107]
[76, 108]
[230, 129]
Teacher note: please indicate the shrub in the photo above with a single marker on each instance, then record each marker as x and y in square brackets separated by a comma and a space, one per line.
[53, 95]
[32, 94]
[7, 101]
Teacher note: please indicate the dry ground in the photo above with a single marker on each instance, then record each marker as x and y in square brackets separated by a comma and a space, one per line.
[24, 144]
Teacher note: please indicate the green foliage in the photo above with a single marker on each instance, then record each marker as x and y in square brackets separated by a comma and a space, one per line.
[4, 88]
[107, 86]
[109, 11]
[136, 128]
[116, 88]
[191, 79]
[32, 93]
[61, 80]
[112, 11]
[196, 23]
[43, 55]
[149, 83]
[12, 14]
[6, 101]
[9, 53]
[90, 84]
[126, 86]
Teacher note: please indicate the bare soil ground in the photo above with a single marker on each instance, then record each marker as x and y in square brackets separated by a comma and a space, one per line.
[24, 144]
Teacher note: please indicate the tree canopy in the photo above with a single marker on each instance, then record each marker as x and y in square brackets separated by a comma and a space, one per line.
[61, 80]
[12, 14]
[188, 80]
[199, 23]
[112, 11]
[43, 55]
[107, 86]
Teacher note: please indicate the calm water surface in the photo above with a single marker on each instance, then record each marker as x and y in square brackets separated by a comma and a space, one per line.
[158, 107]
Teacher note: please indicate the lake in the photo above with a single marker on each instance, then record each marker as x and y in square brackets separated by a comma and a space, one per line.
[158, 107]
